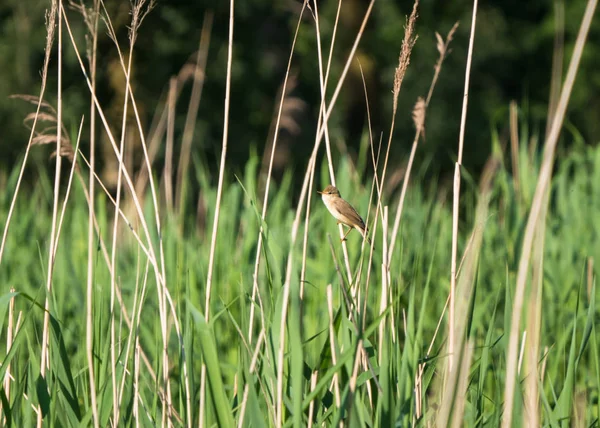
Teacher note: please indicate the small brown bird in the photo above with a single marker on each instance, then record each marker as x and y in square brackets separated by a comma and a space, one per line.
[343, 212]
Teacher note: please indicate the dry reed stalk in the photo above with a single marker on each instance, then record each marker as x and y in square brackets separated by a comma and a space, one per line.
[358, 356]
[456, 191]
[91, 19]
[192, 112]
[243, 406]
[168, 167]
[296, 223]
[538, 205]
[454, 377]
[135, 199]
[215, 230]
[531, 416]
[255, 288]
[45, 355]
[463, 382]
[514, 149]
[558, 54]
[335, 380]
[383, 298]
[113, 279]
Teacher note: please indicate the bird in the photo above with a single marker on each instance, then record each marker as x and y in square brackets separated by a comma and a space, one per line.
[343, 212]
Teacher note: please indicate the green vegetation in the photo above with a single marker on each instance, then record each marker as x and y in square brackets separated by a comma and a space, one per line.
[239, 305]
[420, 286]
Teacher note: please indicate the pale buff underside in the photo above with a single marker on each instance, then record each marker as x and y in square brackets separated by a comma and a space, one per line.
[344, 213]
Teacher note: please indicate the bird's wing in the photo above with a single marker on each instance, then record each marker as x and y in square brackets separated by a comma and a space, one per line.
[349, 212]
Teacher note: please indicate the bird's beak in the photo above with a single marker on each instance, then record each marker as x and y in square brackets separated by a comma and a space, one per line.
[319, 192]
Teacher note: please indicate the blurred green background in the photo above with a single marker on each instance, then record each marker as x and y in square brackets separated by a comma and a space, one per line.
[512, 61]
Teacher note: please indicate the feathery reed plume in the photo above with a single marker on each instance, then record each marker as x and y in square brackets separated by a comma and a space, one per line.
[444, 50]
[418, 116]
[48, 134]
[408, 43]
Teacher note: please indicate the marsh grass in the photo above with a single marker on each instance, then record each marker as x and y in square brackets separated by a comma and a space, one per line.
[238, 324]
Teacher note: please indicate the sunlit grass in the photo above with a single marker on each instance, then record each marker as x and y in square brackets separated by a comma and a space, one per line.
[420, 286]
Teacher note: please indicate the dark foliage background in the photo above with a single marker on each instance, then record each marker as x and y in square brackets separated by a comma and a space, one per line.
[512, 60]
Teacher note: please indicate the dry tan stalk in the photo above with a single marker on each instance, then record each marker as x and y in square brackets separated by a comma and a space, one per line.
[44, 358]
[558, 54]
[198, 71]
[456, 190]
[335, 380]
[168, 167]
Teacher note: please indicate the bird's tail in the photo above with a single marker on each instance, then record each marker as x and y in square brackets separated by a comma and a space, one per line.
[364, 232]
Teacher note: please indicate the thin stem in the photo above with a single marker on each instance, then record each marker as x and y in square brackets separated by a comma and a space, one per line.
[89, 335]
[456, 187]
[215, 230]
[45, 357]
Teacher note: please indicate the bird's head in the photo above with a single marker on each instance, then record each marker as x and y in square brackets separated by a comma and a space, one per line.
[330, 191]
